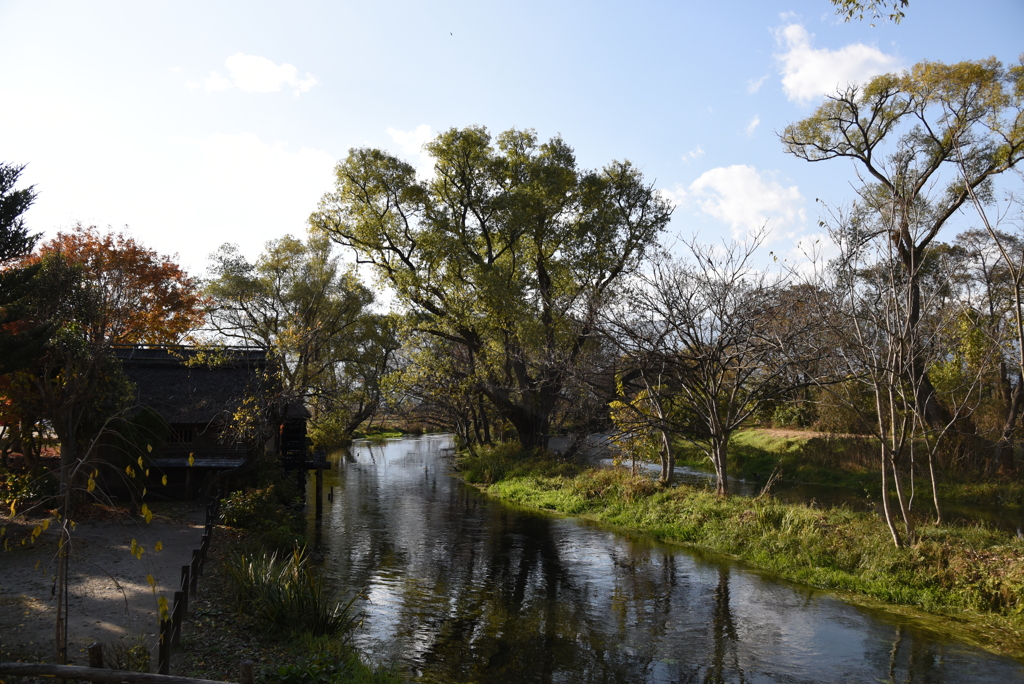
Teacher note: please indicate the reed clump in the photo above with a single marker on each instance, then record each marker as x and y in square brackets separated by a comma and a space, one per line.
[285, 593]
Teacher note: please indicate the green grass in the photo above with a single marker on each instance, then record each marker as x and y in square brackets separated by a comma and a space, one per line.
[838, 461]
[974, 574]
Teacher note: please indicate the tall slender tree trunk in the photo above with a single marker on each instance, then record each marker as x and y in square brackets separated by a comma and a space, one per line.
[668, 459]
[885, 497]
[719, 451]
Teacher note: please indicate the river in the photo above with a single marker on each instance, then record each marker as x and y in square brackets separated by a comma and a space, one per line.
[461, 588]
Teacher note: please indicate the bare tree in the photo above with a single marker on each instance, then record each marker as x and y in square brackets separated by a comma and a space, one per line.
[1010, 257]
[704, 338]
[881, 326]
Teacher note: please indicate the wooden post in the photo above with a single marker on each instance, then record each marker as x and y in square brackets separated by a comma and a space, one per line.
[319, 492]
[194, 573]
[164, 651]
[186, 582]
[177, 614]
[96, 655]
[247, 675]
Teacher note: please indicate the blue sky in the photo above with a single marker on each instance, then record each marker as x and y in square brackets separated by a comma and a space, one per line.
[199, 123]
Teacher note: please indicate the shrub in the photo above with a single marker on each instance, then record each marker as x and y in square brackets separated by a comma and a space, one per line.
[288, 594]
[128, 653]
[327, 669]
[251, 508]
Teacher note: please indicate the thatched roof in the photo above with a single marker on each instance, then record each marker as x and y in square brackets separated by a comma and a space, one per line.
[192, 393]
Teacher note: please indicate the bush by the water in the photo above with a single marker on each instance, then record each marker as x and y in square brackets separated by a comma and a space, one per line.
[261, 511]
[287, 594]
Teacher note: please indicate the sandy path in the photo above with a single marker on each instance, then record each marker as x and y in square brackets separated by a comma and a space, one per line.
[98, 610]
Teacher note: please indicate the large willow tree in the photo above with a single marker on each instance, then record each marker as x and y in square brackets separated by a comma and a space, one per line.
[508, 252]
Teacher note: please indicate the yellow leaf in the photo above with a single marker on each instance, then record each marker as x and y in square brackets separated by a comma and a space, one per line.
[3, 531]
[143, 491]
[140, 461]
[73, 525]
[137, 550]
[147, 513]
[147, 472]
[162, 602]
[131, 471]
[149, 448]
[151, 580]
[12, 506]
[164, 480]
[46, 524]
[191, 459]
[90, 485]
[159, 547]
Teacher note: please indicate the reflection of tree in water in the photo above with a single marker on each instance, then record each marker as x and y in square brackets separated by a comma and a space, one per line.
[913, 660]
[724, 637]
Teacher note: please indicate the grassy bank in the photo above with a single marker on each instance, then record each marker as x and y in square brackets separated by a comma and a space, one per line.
[972, 576]
[845, 461]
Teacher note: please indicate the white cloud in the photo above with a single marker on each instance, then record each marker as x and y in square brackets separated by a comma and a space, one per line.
[215, 82]
[254, 74]
[694, 154]
[809, 73]
[754, 84]
[675, 196]
[752, 126]
[411, 144]
[747, 199]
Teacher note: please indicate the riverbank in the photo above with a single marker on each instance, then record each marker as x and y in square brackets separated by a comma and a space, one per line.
[837, 460]
[964, 581]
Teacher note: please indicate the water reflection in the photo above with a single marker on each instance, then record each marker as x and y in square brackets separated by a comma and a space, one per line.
[462, 589]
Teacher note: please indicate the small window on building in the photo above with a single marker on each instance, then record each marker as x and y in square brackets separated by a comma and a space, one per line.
[181, 435]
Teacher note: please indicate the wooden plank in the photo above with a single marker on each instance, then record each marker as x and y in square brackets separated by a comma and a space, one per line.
[95, 675]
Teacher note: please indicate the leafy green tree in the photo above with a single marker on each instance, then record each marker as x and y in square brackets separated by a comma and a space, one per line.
[298, 302]
[20, 342]
[508, 252]
[925, 140]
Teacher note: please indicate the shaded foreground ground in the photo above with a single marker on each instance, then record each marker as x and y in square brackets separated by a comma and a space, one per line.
[110, 599]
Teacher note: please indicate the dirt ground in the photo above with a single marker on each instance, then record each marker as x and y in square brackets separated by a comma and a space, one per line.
[110, 600]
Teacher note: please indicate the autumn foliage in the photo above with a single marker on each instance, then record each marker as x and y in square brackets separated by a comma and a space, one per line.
[145, 298]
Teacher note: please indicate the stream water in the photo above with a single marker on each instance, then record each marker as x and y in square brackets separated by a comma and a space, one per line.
[460, 588]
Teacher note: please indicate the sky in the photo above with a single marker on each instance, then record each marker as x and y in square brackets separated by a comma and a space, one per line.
[194, 124]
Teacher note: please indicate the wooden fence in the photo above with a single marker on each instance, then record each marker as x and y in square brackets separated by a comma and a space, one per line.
[170, 628]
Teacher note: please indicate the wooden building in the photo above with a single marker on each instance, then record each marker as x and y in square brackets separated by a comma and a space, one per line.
[197, 401]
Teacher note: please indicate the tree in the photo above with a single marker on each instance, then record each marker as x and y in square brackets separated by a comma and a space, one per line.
[142, 296]
[850, 9]
[1001, 264]
[313, 316]
[508, 252]
[711, 342]
[926, 139]
[19, 342]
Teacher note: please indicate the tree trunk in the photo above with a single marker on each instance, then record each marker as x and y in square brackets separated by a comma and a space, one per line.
[668, 459]
[885, 498]
[719, 451]
[1004, 449]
